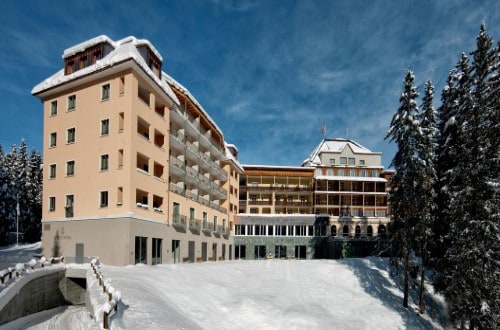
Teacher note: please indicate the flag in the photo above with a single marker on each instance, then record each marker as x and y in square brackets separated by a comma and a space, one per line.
[18, 212]
[323, 129]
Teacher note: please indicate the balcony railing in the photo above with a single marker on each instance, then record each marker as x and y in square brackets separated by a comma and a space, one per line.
[179, 221]
[194, 224]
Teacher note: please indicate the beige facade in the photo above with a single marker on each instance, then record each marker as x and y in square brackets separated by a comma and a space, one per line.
[131, 158]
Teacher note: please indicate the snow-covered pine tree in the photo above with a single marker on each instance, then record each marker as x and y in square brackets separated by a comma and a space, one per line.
[426, 152]
[20, 177]
[472, 272]
[32, 230]
[450, 153]
[20, 182]
[4, 197]
[404, 131]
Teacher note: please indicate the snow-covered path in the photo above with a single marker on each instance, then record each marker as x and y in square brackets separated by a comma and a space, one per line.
[272, 294]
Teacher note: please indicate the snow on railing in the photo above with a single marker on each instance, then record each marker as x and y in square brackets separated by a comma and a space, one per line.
[21, 268]
[108, 301]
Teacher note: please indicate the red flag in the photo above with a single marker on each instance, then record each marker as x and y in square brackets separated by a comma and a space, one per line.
[323, 129]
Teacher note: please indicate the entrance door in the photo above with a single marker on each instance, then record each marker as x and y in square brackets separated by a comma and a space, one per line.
[79, 253]
[176, 251]
[300, 252]
[156, 258]
[204, 252]
[191, 251]
[214, 251]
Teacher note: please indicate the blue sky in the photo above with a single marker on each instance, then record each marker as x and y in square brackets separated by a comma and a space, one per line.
[270, 73]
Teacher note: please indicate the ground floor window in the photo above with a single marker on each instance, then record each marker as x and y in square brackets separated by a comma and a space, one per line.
[280, 251]
[156, 258]
[334, 230]
[300, 252]
[141, 244]
[357, 232]
[260, 252]
[240, 251]
[369, 231]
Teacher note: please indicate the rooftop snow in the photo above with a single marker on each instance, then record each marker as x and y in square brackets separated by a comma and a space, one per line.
[336, 146]
[124, 49]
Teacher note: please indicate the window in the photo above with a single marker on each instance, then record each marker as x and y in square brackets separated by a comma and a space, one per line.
[141, 244]
[52, 204]
[363, 173]
[191, 214]
[104, 127]
[71, 102]
[53, 139]
[70, 199]
[70, 135]
[105, 92]
[361, 162]
[52, 171]
[240, 251]
[374, 173]
[103, 199]
[279, 251]
[343, 160]
[239, 229]
[352, 161]
[70, 168]
[119, 196]
[104, 162]
[352, 172]
[156, 257]
[260, 252]
[53, 108]
[332, 161]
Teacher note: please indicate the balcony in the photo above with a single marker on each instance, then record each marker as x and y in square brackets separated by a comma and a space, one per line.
[194, 225]
[179, 221]
[207, 227]
[176, 189]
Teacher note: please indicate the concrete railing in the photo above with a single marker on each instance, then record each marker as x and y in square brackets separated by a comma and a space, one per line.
[107, 304]
[21, 268]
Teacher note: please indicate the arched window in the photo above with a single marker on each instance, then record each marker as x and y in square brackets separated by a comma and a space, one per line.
[381, 231]
[357, 232]
[345, 231]
[334, 230]
[369, 231]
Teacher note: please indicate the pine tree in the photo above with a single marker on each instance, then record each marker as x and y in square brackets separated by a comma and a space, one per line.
[427, 176]
[472, 273]
[451, 154]
[34, 193]
[404, 193]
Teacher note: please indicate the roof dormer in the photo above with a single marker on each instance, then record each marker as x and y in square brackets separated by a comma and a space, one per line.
[86, 54]
[153, 61]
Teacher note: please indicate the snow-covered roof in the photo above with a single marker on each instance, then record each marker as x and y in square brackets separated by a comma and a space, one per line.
[336, 145]
[124, 49]
[231, 157]
[171, 81]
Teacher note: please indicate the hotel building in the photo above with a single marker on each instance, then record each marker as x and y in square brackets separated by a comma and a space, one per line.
[338, 194]
[135, 170]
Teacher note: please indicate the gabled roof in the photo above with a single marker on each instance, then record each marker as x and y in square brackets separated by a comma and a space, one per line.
[336, 145]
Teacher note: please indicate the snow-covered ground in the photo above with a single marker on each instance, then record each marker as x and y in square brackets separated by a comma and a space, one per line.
[269, 294]
[11, 255]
